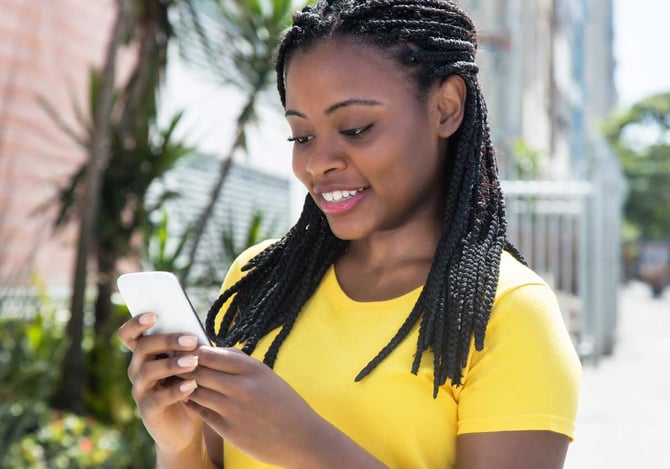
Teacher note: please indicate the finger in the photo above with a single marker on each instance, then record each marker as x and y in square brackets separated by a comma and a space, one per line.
[210, 406]
[224, 383]
[150, 373]
[158, 400]
[147, 348]
[132, 329]
[227, 359]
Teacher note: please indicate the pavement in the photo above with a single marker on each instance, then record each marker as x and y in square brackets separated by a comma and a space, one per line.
[624, 414]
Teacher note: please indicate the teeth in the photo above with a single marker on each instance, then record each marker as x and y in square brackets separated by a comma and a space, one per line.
[336, 196]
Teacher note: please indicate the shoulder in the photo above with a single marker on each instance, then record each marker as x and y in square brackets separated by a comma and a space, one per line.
[527, 376]
[523, 300]
[252, 251]
[525, 303]
[235, 274]
[522, 294]
[235, 271]
[513, 274]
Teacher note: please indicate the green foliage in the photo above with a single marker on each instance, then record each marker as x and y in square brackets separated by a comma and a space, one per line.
[234, 40]
[527, 160]
[140, 154]
[69, 441]
[31, 433]
[641, 138]
[107, 395]
[232, 245]
[255, 233]
[135, 164]
[163, 251]
[29, 357]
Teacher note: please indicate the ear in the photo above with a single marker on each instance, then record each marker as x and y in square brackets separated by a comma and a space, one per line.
[450, 101]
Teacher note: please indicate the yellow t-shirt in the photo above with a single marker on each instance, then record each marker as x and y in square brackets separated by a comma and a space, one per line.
[526, 377]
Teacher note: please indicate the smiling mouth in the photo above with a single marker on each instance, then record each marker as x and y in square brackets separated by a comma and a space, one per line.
[336, 196]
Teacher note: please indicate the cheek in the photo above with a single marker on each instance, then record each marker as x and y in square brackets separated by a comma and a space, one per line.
[298, 167]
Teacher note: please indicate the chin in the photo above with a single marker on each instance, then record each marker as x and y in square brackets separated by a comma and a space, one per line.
[346, 232]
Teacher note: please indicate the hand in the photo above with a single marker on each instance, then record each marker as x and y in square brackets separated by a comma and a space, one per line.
[160, 396]
[254, 409]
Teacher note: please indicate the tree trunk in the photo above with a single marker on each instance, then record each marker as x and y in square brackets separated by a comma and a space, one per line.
[202, 220]
[69, 395]
[146, 75]
[105, 325]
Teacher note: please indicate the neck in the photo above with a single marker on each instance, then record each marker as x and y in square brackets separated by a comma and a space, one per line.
[387, 264]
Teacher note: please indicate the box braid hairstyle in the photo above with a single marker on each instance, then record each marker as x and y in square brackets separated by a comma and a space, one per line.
[431, 40]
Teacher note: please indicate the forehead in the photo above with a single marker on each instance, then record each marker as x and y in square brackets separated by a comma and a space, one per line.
[340, 69]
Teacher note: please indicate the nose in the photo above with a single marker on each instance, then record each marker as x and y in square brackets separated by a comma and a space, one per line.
[324, 157]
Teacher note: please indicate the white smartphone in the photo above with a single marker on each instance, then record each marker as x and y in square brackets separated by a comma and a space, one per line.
[160, 293]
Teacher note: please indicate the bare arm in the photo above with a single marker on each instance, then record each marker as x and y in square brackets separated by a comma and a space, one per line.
[511, 450]
[195, 456]
[214, 445]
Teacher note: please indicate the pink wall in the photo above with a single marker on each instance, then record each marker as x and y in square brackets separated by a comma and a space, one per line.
[46, 49]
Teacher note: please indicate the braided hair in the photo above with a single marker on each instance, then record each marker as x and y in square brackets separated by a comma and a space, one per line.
[431, 40]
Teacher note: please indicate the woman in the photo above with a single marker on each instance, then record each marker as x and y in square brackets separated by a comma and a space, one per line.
[393, 326]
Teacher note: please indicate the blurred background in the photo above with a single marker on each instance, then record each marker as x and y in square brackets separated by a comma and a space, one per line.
[148, 135]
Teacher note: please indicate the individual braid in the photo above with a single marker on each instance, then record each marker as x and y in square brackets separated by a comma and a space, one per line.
[431, 40]
[278, 282]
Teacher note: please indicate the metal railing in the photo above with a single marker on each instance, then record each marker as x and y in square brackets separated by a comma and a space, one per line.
[569, 232]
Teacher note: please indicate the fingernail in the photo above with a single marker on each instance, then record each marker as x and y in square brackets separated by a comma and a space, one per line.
[188, 361]
[188, 340]
[189, 385]
[147, 318]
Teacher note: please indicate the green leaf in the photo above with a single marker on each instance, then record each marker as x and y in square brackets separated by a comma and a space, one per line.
[640, 136]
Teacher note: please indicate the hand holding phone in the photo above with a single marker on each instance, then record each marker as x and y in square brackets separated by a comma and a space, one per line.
[160, 293]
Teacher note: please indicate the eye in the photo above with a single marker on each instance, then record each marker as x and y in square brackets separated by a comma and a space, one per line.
[301, 140]
[357, 131]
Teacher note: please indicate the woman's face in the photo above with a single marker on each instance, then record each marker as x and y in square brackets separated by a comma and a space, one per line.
[367, 150]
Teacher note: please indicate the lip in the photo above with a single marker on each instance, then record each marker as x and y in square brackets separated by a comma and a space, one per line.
[341, 206]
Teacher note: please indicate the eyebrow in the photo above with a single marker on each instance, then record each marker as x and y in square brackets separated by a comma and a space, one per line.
[336, 106]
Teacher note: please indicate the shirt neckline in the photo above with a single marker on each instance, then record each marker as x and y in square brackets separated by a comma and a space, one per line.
[337, 295]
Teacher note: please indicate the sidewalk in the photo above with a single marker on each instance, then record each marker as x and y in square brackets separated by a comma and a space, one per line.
[624, 416]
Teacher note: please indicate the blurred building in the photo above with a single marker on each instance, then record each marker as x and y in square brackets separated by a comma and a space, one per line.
[46, 51]
[547, 72]
[547, 69]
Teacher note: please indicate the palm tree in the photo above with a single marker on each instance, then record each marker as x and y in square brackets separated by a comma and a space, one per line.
[126, 153]
[234, 40]
[70, 393]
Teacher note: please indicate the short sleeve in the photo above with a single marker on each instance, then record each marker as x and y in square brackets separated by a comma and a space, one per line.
[527, 376]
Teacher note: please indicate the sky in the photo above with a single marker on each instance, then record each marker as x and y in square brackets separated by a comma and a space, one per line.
[642, 39]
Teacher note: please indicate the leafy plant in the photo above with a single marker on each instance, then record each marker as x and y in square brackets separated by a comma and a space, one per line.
[236, 44]
[139, 156]
[232, 243]
[31, 351]
[66, 440]
[32, 434]
[527, 160]
[640, 136]
[162, 251]
[255, 233]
